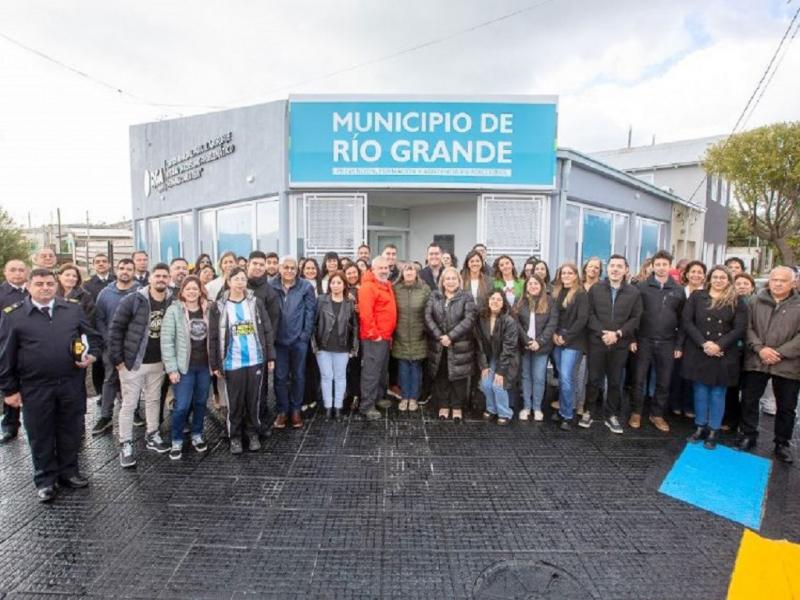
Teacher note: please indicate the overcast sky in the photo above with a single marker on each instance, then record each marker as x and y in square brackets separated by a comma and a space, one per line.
[676, 69]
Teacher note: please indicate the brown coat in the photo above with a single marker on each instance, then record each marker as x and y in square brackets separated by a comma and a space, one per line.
[776, 326]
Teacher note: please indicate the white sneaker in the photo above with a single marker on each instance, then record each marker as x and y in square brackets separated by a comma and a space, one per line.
[403, 406]
[413, 406]
[524, 414]
[538, 415]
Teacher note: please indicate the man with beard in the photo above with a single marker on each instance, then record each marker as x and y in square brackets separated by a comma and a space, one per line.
[135, 350]
[107, 302]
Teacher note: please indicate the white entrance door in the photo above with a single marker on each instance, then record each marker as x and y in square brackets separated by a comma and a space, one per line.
[334, 222]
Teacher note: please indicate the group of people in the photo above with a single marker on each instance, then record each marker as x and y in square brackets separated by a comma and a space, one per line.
[683, 339]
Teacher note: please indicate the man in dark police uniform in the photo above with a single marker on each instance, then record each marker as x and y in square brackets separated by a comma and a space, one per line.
[12, 290]
[42, 370]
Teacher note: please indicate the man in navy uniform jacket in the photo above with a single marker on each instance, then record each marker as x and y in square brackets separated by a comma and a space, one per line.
[12, 290]
[42, 371]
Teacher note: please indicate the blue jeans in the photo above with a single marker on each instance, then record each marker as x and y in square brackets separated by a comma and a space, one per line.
[191, 393]
[290, 376]
[496, 395]
[333, 377]
[534, 371]
[709, 405]
[409, 377]
[567, 359]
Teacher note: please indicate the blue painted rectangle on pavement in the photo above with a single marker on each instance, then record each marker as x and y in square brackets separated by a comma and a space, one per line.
[727, 482]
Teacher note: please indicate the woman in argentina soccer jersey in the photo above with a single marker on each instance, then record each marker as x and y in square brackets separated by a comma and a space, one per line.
[241, 345]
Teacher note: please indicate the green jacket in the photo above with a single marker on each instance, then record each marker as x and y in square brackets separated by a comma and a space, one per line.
[409, 335]
[175, 346]
[519, 287]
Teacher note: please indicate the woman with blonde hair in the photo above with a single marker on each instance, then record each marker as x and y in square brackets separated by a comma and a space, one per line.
[450, 316]
[226, 262]
[570, 337]
[715, 320]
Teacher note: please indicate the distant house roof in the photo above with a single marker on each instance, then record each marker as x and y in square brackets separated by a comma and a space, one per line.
[597, 165]
[655, 156]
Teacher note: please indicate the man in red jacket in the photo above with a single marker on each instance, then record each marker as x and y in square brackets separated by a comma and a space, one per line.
[377, 321]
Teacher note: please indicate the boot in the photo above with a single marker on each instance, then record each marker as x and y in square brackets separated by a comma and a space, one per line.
[337, 414]
[711, 440]
[699, 434]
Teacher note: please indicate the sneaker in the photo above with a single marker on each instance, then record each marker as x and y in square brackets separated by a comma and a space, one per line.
[783, 453]
[384, 403]
[613, 424]
[103, 424]
[565, 426]
[524, 414]
[413, 406]
[403, 406]
[372, 414]
[176, 451]
[538, 415]
[138, 420]
[253, 443]
[154, 442]
[236, 446]
[586, 420]
[424, 401]
[126, 457]
[199, 444]
[768, 406]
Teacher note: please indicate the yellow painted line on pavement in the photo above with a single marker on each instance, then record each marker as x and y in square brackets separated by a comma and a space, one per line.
[765, 569]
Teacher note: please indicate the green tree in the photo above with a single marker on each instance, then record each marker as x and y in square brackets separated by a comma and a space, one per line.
[764, 167]
[12, 243]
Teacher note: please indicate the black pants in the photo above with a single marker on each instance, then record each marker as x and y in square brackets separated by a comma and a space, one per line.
[54, 421]
[681, 394]
[604, 362]
[267, 405]
[662, 356]
[374, 372]
[448, 394]
[313, 390]
[98, 376]
[244, 398]
[786, 390]
[10, 423]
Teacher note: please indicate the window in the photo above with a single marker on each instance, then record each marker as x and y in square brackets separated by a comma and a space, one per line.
[207, 234]
[235, 229]
[512, 224]
[169, 238]
[187, 237]
[332, 222]
[141, 238]
[590, 231]
[621, 223]
[267, 226]
[652, 236]
[572, 233]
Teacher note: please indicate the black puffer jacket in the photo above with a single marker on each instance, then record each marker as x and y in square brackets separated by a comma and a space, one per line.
[572, 319]
[129, 328]
[335, 331]
[546, 324]
[499, 346]
[455, 319]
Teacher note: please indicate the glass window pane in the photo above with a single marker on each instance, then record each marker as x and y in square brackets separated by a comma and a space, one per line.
[571, 231]
[206, 237]
[234, 229]
[267, 226]
[187, 237]
[169, 235]
[152, 239]
[621, 234]
[649, 240]
[596, 235]
[140, 235]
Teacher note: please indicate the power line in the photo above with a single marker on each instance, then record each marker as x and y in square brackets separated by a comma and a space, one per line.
[96, 80]
[764, 81]
[404, 51]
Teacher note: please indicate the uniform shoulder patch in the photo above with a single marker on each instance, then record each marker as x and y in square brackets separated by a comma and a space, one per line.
[13, 307]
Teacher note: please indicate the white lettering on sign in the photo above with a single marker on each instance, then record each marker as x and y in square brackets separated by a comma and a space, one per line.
[479, 140]
[189, 165]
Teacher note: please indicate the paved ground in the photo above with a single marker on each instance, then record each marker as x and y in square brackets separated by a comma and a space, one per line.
[405, 508]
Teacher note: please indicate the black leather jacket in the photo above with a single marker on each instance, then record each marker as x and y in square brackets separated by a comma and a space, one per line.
[330, 331]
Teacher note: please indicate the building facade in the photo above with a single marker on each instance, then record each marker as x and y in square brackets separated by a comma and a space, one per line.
[700, 226]
[326, 173]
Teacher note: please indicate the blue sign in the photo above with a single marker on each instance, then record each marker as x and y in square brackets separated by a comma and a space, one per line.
[409, 143]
